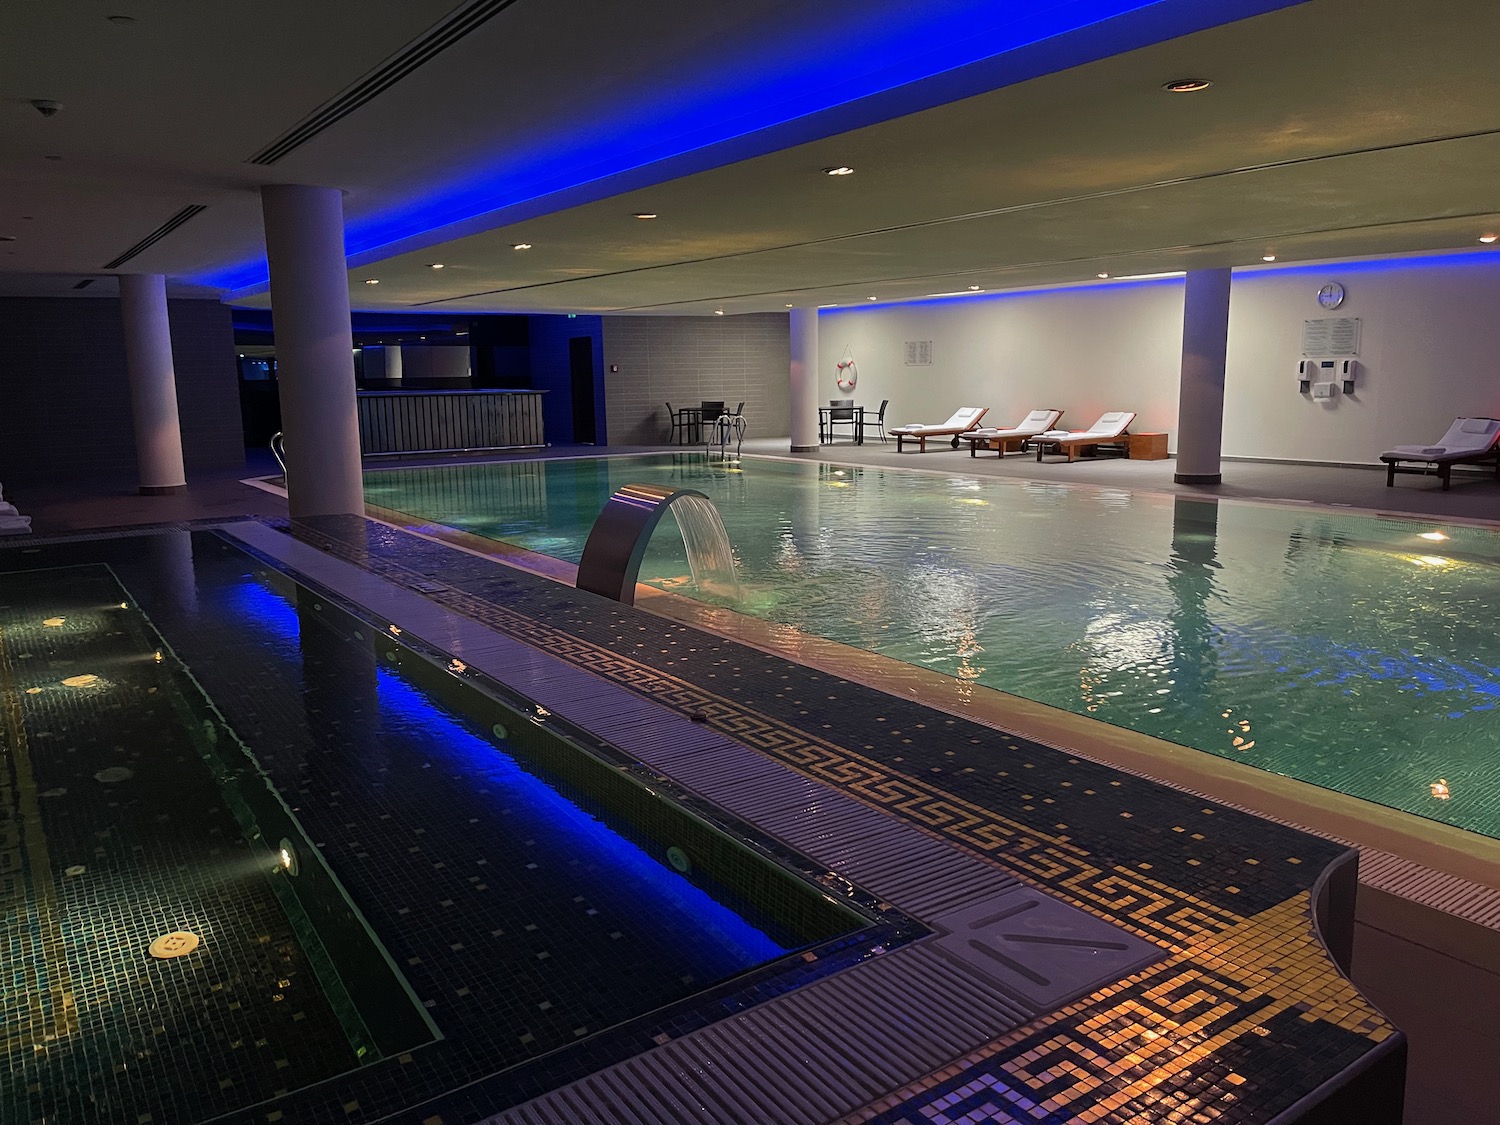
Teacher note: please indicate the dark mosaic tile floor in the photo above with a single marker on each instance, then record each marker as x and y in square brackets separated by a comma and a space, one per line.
[1246, 1016]
[116, 833]
[459, 907]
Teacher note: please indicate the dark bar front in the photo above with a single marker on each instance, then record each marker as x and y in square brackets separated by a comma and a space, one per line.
[449, 421]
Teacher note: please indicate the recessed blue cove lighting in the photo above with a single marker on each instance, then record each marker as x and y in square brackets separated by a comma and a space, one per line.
[1475, 257]
[1446, 260]
[1003, 294]
[789, 85]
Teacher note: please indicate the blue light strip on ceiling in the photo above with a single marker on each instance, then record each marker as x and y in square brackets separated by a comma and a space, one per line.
[1004, 294]
[791, 81]
[1330, 270]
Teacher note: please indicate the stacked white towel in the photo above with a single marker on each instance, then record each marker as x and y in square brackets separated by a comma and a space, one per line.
[12, 522]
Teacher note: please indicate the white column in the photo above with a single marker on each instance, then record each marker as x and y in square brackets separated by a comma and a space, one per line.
[804, 394]
[1200, 403]
[314, 348]
[153, 383]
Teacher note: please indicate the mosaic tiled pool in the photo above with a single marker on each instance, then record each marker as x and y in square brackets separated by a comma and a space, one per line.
[404, 880]
[1349, 651]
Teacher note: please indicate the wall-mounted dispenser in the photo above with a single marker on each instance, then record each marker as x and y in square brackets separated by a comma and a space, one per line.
[1311, 371]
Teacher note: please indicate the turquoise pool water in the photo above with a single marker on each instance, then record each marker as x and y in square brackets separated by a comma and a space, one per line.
[1354, 652]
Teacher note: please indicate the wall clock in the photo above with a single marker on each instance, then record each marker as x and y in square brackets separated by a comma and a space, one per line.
[1331, 296]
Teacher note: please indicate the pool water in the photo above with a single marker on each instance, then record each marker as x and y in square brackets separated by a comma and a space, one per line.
[460, 908]
[1354, 652]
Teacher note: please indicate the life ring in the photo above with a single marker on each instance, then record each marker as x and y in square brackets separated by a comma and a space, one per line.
[848, 374]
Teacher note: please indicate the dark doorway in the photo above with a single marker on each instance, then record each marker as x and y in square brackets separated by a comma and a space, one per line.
[581, 366]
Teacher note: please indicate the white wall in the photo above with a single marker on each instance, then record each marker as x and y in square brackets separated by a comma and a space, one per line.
[1085, 351]
[1430, 350]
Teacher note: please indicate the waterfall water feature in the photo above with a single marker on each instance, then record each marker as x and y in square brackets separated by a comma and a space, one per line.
[709, 554]
[617, 542]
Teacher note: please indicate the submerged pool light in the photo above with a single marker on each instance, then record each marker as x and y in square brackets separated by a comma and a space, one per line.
[286, 856]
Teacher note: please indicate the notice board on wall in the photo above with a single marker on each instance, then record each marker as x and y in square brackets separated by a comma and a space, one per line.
[1331, 336]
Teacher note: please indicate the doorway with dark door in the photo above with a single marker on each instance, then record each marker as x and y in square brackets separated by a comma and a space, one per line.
[581, 365]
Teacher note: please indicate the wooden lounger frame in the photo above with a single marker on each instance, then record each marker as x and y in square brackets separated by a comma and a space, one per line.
[938, 431]
[1073, 446]
[1441, 466]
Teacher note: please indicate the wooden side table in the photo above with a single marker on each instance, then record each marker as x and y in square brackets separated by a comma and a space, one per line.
[1146, 447]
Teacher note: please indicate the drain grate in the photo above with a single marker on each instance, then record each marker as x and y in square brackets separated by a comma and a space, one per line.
[1040, 949]
[422, 586]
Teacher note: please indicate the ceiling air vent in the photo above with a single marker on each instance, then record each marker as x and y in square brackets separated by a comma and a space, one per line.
[432, 43]
[156, 236]
[85, 283]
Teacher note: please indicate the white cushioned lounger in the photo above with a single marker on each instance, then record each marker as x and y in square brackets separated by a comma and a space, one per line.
[1111, 426]
[1469, 441]
[1007, 438]
[964, 419]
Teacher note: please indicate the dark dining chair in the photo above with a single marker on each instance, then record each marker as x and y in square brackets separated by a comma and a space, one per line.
[878, 419]
[681, 423]
[709, 417]
[841, 413]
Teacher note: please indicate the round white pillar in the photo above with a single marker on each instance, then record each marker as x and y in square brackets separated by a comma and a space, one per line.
[314, 348]
[1200, 402]
[153, 383]
[804, 375]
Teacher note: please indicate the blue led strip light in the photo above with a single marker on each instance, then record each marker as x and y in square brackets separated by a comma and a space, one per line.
[822, 80]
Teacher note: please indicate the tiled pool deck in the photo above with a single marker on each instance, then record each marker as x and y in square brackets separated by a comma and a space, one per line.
[1243, 1018]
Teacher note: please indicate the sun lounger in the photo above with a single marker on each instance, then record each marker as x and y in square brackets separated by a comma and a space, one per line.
[11, 521]
[1010, 439]
[962, 420]
[1109, 429]
[1469, 441]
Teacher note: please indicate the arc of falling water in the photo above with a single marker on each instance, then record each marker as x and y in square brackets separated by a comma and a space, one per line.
[617, 542]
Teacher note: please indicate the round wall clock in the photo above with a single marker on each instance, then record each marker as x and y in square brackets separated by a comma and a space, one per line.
[1331, 296]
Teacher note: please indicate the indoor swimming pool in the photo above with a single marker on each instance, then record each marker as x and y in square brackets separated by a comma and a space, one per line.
[1351, 651]
[392, 871]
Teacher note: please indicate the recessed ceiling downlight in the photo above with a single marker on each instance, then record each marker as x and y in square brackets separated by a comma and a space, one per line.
[840, 170]
[1268, 257]
[521, 246]
[645, 214]
[1186, 85]
[435, 265]
[372, 281]
[1488, 237]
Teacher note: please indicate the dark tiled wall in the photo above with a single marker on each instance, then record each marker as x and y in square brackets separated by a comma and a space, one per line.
[552, 371]
[65, 400]
[686, 359]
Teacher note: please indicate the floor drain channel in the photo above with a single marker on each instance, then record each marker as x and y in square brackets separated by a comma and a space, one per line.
[177, 944]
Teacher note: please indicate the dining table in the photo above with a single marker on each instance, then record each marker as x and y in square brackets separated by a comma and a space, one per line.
[825, 419]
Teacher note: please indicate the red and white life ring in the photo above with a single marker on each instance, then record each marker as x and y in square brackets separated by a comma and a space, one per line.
[848, 374]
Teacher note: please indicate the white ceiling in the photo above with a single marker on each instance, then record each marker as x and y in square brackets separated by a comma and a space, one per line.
[1334, 128]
